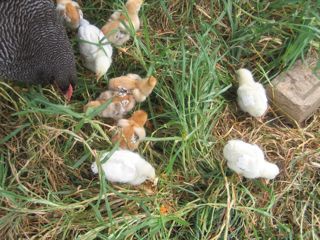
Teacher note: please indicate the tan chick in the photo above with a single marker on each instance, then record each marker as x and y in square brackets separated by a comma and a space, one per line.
[131, 131]
[133, 84]
[117, 28]
[119, 106]
[70, 12]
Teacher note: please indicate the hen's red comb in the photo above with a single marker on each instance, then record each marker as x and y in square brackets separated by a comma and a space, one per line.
[69, 93]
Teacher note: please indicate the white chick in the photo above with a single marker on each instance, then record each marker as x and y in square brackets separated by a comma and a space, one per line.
[248, 160]
[94, 48]
[117, 27]
[70, 12]
[252, 96]
[125, 166]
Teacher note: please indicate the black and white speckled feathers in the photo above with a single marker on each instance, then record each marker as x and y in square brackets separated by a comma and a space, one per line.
[34, 47]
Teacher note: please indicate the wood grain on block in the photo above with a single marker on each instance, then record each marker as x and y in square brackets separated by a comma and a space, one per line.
[296, 93]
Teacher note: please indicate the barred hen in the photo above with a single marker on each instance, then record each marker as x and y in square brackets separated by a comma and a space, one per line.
[34, 47]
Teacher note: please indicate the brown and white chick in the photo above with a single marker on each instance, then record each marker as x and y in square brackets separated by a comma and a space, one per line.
[117, 28]
[70, 12]
[118, 107]
[133, 84]
[131, 131]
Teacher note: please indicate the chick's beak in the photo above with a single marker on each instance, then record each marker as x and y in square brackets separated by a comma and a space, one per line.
[99, 75]
[155, 181]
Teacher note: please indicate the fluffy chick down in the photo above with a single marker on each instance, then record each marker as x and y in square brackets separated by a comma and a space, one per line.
[131, 131]
[95, 50]
[124, 166]
[117, 108]
[135, 85]
[252, 97]
[117, 29]
[248, 160]
[70, 12]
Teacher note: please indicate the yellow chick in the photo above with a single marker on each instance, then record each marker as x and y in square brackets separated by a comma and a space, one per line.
[117, 28]
[70, 12]
[133, 84]
[132, 131]
[119, 106]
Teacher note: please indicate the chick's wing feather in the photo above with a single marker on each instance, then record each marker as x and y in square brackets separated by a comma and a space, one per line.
[246, 96]
[90, 37]
[121, 171]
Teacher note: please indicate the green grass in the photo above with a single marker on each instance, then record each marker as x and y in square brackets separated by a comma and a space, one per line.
[47, 190]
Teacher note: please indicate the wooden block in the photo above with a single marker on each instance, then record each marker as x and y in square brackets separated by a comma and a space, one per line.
[296, 93]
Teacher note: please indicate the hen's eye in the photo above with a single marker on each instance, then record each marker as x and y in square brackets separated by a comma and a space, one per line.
[51, 79]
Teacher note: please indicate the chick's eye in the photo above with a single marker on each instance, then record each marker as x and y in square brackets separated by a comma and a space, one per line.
[51, 79]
